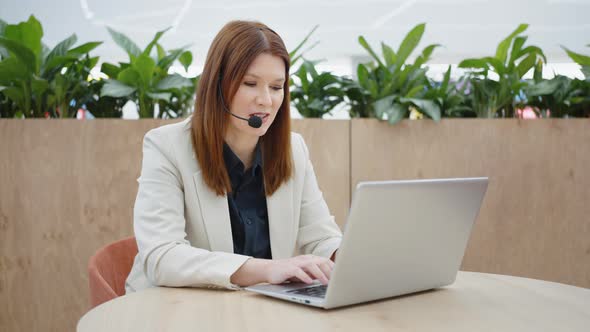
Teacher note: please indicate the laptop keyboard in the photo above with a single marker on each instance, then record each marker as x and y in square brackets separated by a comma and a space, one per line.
[313, 291]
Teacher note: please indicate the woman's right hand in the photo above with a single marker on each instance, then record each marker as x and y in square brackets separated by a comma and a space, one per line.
[304, 268]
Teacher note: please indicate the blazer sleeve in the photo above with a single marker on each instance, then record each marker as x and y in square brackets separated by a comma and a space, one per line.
[168, 259]
[318, 232]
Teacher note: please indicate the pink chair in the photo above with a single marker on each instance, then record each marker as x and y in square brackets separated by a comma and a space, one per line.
[108, 268]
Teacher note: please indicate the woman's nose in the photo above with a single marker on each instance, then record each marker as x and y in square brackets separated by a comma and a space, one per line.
[263, 97]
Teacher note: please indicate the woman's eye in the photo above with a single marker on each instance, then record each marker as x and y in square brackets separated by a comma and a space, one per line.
[276, 88]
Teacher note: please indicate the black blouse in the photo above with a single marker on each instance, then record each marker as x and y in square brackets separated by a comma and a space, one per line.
[247, 205]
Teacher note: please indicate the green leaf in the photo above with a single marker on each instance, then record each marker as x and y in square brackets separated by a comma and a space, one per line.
[125, 43]
[409, 43]
[110, 69]
[414, 91]
[383, 105]
[296, 58]
[388, 54]
[186, 58]
[92, 62]
[496, 64]
[59, 62]
[145, 66]
[130, 76]
[502, 50]
[44, 50]
[428, 107]
[302, 74]
[159, 95]
[363, 75]
[517, 48]
[368, 48]
[396, 113]
[114, 88]
[578, 58]
[525, 65]
[39, 86]
[533, 50]
[3, 25]
[84, 48]
[425, 56]
[538, 73]
[174, 81]
[154, 41]
[474, 63]
[12, 70]
[62, 47]
[21, 52]
[16, 95]
[446, 79]
[167, 61]
[310, 66]
[28, 34]
[547, 87]
[161, 52]
[292, 53]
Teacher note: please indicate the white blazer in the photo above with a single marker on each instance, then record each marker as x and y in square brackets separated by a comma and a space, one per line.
[183, 229]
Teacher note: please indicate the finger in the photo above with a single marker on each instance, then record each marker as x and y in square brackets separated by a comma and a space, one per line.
[325, 267]
[330, 263]
[295, 280]
[322, 260]
[315, 271]
[301, 275]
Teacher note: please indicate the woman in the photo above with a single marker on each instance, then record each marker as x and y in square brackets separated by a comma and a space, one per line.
[222, 203]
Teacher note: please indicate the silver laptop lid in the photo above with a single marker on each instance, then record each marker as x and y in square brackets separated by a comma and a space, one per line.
[403, 237]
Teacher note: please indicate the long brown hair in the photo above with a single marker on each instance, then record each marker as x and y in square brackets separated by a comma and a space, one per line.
[232, 51]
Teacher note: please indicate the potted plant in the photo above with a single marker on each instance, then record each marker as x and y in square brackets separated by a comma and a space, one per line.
[36, 81]
[146, 80]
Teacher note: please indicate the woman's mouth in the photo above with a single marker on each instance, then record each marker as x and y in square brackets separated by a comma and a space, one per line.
[263, 116]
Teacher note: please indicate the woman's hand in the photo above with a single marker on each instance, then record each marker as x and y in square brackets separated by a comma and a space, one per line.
[304, 268]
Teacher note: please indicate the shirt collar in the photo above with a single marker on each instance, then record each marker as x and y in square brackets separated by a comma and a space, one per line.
[232, 161]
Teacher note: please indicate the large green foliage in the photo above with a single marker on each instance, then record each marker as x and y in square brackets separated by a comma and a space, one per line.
[315, 94]
[145, 79]
[36, 81]
[497, 96]
[388, 87]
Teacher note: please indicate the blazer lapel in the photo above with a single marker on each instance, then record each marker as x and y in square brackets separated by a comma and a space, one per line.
[215, 211]
[280, 221]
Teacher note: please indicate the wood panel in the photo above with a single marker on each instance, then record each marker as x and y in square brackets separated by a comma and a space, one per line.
[535, 218]
[328, 142]
[68, 187]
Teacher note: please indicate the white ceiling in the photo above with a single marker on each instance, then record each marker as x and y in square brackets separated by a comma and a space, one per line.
[465, 27]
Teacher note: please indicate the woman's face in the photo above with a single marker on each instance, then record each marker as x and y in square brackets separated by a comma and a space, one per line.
[260, 93]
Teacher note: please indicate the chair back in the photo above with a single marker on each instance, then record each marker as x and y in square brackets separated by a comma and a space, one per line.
[108, 269]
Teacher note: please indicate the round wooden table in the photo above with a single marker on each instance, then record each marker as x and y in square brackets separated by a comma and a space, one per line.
[475, 302]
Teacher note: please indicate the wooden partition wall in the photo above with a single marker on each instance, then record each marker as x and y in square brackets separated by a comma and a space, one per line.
[535, 218]
[67, 188]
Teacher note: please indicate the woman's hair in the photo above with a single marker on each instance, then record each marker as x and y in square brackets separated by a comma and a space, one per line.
[232, 51]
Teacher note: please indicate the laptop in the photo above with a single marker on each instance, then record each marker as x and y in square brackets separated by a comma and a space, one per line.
[401, 237]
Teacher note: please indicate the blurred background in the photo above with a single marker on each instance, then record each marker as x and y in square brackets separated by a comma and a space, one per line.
[463, 28]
